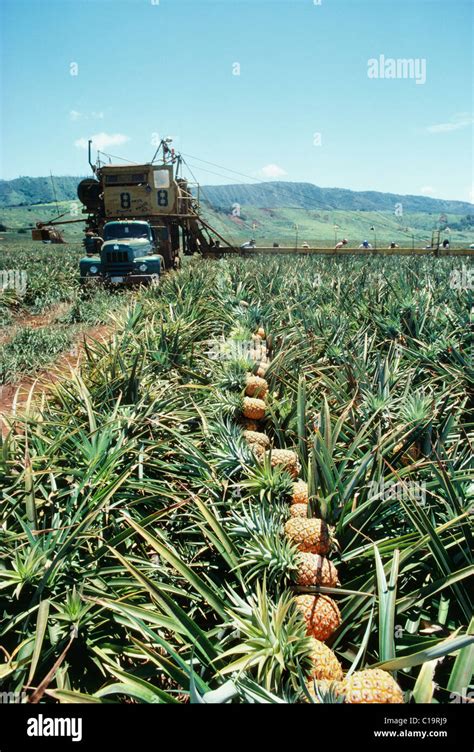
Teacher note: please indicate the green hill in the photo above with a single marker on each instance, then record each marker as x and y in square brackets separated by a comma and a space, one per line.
[25, 191]
[276, 195]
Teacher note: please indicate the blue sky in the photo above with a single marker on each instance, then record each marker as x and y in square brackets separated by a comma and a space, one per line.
[168, 68]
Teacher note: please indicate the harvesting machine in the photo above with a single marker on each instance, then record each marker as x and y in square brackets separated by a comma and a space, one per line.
[156, 193]
[153, 193]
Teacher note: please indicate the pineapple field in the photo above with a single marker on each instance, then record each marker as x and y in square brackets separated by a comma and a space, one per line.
[43, 310]
[259, 490]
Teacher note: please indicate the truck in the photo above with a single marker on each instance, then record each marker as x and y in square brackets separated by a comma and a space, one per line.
[154, 195]
[152, 192]
[125, 255]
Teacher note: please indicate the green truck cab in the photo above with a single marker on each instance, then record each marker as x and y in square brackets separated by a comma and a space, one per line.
[126, 255]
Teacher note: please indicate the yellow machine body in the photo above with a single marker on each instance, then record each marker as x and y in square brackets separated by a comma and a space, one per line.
[139, 191]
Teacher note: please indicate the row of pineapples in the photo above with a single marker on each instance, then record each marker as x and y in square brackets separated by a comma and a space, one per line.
[313, 539]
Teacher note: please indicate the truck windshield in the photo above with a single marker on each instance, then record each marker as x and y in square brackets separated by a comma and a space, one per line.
[128, 230]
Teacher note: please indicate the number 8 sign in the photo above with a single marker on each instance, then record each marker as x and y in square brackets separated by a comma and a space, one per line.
[162, 198]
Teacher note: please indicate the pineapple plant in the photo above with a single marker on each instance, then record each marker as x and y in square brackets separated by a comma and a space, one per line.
[234, 405]
[325, 691]
[285, 458]
[371, 686]
[321, 615]
[270, 483]
[232, 374]
[266, 552]
[311, 535]
[195, 472]
[273, 641]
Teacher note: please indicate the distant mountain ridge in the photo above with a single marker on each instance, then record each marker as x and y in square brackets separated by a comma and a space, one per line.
[281, 194]
[25, 191]
[271, 195]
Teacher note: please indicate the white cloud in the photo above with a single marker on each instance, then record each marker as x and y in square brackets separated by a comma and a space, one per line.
[102, 140]
[455, 123]
[427, 190]
[272, 171]
[75, 115]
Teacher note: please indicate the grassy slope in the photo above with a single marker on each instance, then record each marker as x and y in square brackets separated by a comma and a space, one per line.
[317, 227]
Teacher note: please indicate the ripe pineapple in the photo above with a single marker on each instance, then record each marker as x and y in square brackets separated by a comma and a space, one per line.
[252, 408]
[257, 437]
[300, 492]
[325, 665]
[311, 535]
[261, 332]
[371, 686]
[299, 510]
[315, 570]
[262, 368]
[256, 386]
[286, 458]
[321, 614]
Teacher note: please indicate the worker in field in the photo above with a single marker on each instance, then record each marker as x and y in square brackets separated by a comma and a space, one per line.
[92, 243]
[446, 243]
[305, 245]
[249, 244]
[341, 244]
[393, 245]
[365, 244]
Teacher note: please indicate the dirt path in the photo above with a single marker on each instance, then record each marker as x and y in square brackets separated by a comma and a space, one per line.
[25, 320]
[44, 379]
